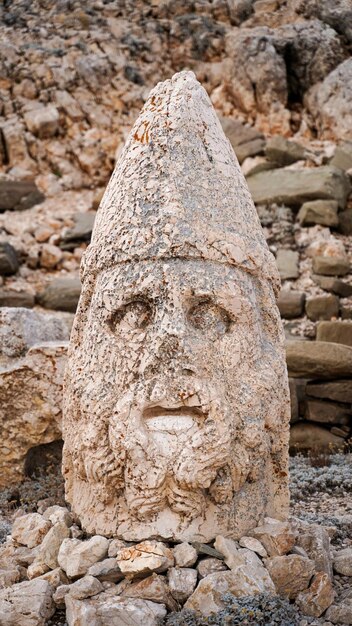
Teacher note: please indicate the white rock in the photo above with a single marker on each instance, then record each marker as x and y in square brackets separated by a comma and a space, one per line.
[152, 588]
[182, 582]
[85, 588]
[208, 596]
[75, 556]
[55, 514]
[9, 576]
[253, 544]
[343, 562]
[28, 603]
[29, 530]
[115, 546]
[107, 609]
[210, 566]
[55, 577]
[52, 541]
[145, 558]
[277, 537]
[107, 569]
[245, 562]
[185, 555]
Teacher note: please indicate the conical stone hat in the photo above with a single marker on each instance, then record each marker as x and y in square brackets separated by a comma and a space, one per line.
[178, 191]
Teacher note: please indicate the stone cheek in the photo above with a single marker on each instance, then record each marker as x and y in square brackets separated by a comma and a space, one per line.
[176, 405]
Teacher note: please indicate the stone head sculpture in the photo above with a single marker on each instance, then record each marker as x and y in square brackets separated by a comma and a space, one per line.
[176, 406]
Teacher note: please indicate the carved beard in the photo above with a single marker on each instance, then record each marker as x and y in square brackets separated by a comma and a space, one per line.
[173, 468]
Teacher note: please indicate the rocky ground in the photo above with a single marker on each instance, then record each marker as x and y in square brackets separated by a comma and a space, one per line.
[320, 530]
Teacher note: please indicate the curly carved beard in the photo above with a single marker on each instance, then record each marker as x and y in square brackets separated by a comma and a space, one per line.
[166, 469]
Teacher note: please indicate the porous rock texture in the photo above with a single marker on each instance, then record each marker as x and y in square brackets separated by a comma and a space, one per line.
[32, 359]
[176, 405]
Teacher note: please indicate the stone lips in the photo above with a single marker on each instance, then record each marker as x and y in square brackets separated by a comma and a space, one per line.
[198, 334]
[178, 191]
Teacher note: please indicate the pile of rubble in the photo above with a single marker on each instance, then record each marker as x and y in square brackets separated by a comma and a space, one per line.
[49, 564]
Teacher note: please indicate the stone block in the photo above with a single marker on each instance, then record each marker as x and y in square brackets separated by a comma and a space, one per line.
[331, 266]
[322, 307]
[318, 597]
[145, 558]
[287, 263]
[8, 260]
[250, 149]
[334, 285]
[30, 530]
[277, 537]
[318, 359]
[19, 195]
[327, 413]
[294, 187]
[185, 555]
[290, 574]
[343, 156]
[182, 582]
[16, 299]
[28, 603]
[62, 294]
[291, 303]
[107, 608]
[306, 437]
[322, 212]
[338, 390]
[75, 556]
[283, 151]
[337, 332]
[42, 121]
[342, 563]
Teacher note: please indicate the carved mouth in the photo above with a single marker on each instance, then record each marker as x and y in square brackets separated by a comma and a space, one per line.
[164, 419]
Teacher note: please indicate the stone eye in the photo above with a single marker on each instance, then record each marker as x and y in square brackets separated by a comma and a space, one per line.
[208, 316]
[135, 315]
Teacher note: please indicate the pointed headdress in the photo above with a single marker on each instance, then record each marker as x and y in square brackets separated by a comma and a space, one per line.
[178, 191]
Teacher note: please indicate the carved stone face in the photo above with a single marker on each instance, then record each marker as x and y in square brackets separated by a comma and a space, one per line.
[176, 401]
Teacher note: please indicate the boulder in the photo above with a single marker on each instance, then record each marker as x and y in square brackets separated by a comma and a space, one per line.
[307, 437]
[29, 530]
[209, 594]
[290, 574]
[322, 307]
[16, 299]
[340, 613]
[8, 260]
[332, 266]
[343, 562]
[81, 231]
[210, 566]
[153, 588]
[107, 569]
[185, 555]
[145, 558]
[315, 540]
[51, 544]
[327, 412]
[42, 121]
[318, 597]
[343, 156]
[85, 587]
[345, 222]
[330, 103]
[28, 603]
[284, 152]
[287, 262]
[76, 556]
[182, 582]
[62, 294]
[30, 405]
[253, 544]
[334, 285]
[277, 537]
[322, 212]
[318, 359]
[337, 332]
[19, 195]
[338, 390]
[294, 187]
[291, 303]
[107, 608]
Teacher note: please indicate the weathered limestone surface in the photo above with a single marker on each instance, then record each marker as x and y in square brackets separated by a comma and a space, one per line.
[32, 359]
[176, 402]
